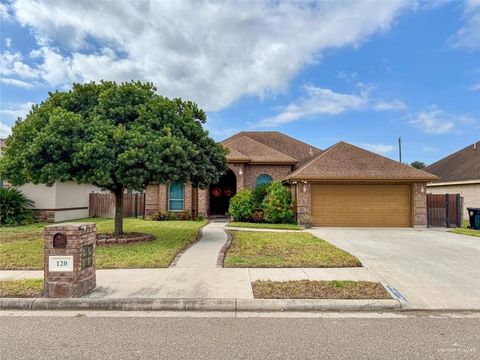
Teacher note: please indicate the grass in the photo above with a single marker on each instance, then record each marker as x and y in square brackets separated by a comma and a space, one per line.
[306, 289]
[289, 249]
[265, 226]
[465, 231]
[21, 247]
[21, 288]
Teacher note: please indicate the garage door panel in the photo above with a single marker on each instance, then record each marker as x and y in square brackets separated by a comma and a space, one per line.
[361, 205]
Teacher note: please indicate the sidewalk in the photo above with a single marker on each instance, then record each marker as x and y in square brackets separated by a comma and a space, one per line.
[203, 283]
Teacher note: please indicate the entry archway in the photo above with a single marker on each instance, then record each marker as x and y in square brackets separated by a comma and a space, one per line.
[221, 193]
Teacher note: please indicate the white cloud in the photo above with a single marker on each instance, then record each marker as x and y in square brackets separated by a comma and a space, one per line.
[18, 83]
[475, 87]
[378, 148]
[210, 52]
[13, 111]
[437, 121]
[319, 101]
[5, 130]
[4, 11]
[468, 36]
[389, 105]
[8, 42]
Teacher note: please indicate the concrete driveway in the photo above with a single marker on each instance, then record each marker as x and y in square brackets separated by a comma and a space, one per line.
[431, 269]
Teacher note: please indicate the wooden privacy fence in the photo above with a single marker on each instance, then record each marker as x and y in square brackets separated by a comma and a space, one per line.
[444, 210]
[103, 205]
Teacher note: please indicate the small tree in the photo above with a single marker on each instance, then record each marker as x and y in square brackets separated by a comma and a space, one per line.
[115, 136]
[277, 205]
[418, 165]
[241, 205]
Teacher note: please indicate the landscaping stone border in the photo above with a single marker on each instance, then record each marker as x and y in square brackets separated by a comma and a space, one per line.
[128, 238]
[223, 251]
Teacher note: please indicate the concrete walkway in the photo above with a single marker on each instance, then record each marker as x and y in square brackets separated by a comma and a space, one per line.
[205, 252]
[196, 282]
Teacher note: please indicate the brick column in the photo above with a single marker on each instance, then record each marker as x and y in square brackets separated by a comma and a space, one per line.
[303, 199]
[69, 262]
[419, 198]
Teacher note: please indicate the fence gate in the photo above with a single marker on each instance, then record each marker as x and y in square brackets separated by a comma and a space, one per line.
[103, 205]
[444, 210]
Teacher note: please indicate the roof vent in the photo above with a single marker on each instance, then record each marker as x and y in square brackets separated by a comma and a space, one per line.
[474, 146]
[310, 151]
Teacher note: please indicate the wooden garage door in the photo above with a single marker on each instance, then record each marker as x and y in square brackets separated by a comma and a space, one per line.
[361, 205]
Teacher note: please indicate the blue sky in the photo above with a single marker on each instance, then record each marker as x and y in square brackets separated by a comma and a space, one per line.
[363, 72]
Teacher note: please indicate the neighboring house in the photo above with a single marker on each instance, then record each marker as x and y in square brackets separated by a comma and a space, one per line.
[60, 202]
[459, 173]
[341, 186]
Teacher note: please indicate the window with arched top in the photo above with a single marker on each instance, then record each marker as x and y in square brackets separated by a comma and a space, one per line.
[263, 179]
[175, 197]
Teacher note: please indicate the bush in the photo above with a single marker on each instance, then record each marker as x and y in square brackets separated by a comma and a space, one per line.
[277, 205]
[259, 194]
[15, 208]
[258, 216]
[241, 206]
[170, 215]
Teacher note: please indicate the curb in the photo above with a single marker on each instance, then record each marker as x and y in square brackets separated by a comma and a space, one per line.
[232, 305]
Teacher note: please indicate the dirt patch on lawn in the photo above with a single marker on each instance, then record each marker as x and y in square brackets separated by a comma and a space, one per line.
[306, 289]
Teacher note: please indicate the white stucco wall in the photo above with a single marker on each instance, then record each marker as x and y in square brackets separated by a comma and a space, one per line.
[469, 192]
[68, 196]
[43, 196]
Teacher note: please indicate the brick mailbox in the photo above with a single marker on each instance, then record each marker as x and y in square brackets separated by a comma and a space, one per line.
[69, 259]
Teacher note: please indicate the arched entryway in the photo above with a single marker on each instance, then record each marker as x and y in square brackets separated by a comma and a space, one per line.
[221, 192]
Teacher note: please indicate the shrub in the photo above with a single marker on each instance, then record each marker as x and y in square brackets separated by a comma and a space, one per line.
[259, 194]
[15, 208]
[170, 215]
[277, 205]
[241, 206]
[306, 220]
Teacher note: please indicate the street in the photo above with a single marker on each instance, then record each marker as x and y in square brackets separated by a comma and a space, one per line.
[117, 335]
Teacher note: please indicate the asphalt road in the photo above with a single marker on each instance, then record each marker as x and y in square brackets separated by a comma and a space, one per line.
[327, 336]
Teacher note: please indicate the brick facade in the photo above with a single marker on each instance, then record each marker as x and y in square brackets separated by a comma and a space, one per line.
[45, 216]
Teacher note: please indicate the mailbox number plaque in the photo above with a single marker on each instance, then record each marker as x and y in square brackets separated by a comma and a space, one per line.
[60, 263]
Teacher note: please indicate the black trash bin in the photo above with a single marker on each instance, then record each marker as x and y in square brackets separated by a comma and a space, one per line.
[474, 214]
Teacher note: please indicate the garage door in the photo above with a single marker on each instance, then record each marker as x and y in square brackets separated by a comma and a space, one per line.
[361, 205]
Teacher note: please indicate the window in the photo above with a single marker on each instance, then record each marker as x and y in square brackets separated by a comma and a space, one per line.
[263, 179]
[175, 197]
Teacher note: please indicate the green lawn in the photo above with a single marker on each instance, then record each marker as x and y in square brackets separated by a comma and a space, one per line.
[21, 288]
[289, 249]
[464, 231]
[21, 247]
[306, 289]
[265, 226]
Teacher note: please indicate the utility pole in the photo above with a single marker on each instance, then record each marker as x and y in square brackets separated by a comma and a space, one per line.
[400, 149]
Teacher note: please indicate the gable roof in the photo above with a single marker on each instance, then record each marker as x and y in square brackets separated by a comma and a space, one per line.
[287, 145]
[257, 152]
[462, 165]
[344, 161]
[235, 156]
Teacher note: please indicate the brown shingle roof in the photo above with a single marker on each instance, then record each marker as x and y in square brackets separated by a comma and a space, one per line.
[462, 165]
[235, 156]
[294, 148]
[344, 161]
[257, 152]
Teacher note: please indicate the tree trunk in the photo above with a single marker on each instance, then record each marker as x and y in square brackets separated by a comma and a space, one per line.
[119, 211]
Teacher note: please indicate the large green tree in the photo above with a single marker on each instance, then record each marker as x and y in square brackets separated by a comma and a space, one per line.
[115, 136]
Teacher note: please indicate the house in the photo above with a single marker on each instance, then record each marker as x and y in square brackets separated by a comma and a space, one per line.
[459, 173]
[60, 202]
[343, 185]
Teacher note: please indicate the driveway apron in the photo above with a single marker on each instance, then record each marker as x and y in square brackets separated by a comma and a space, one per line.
[431, 269]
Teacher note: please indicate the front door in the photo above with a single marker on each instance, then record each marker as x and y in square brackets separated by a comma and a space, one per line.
[221, 193]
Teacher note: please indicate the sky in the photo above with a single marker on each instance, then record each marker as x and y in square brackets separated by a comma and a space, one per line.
[362, 72]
